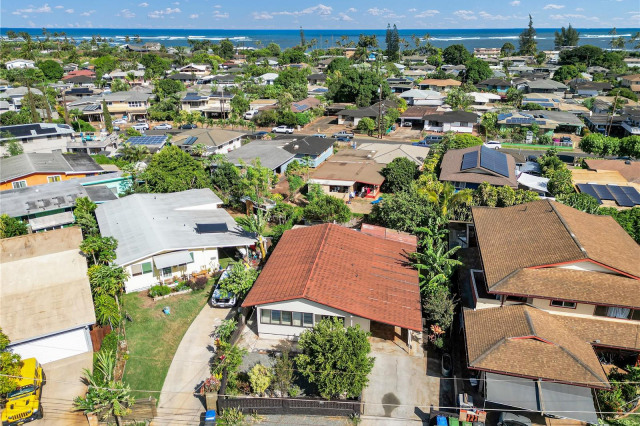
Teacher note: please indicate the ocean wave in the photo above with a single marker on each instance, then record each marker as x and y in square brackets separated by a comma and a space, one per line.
[604, 35]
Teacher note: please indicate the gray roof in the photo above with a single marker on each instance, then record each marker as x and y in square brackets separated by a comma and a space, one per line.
[270, 153]
[546, 84]
[128, 96]
[148, 224]
[27, 131]
[208, 137]
[24, 164]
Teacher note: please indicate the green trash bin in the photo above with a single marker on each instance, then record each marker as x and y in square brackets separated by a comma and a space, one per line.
[453, 421]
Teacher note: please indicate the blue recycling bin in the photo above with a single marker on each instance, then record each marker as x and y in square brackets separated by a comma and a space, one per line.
[210, 418]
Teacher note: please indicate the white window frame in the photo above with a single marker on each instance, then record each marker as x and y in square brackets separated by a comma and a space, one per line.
[20, 184]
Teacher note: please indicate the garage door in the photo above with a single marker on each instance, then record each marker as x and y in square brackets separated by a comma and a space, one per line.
[53, 348]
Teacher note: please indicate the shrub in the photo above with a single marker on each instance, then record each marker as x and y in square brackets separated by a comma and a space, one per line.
[159, 290]
[231, 417]
[110, 342]
[260, 378]
[226, 329]
[182, 286]
[211, 384]
[294, 391]
[199, 283]
[283, 373]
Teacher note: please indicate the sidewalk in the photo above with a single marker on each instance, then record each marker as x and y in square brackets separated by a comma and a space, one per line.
[190, 366]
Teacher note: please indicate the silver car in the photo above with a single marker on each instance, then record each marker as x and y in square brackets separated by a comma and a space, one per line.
[163, 126]
[221, 298]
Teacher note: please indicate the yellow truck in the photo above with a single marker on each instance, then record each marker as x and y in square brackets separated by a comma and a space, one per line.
[23, 404]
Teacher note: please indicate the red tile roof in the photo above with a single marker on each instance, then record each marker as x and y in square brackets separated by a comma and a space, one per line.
[361, 274]
[77, 73]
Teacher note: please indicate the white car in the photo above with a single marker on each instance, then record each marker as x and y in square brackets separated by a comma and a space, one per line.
[163, 126]
[250, 114]
[120, 121]
[282, 129]
[140, 126]
[493, 144]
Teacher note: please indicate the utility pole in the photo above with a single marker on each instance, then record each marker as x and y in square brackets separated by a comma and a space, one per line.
[380, 112]
[611, 114]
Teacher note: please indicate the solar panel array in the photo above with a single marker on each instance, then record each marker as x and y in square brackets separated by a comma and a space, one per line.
[300, 107]
[624, 196]
[503, 116]
[493, 160]
[469, 160]
[147, 140]
[91, 107]
[190, 140]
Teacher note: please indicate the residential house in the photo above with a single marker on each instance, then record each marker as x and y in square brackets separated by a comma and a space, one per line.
[631, 82]
[324, 63]
[516, 61]
[400, 84]
[131, 104]
[267, 79]
[186, 78]
[578, 275]
[79, 93]
[605, 123]
[415, 114]
[152, 143]
[213, 104]
[312, 149]
[630, 170]
[324, 271]
[349, 171]
[353, 116]
[589, 88]
[632, 62]
[40, 137]
[50, 206]
[450, 121]
[133, 77]
[33, 169]
[271, 154]
[611, 195]
[484, 101]
[414, 59]
[19, 64]
[546, 86]
[197, 69]
[547, 121]
[631, 124]
[216, 141]
[423, 97]
[317, 79]
[486, 52]
[224, 81]
[70, 67]
[15, 95]
[552, 56]
[498, 84]
[46, 307]
[530, 179]
[79, 73]
[102, 143]
[438, 85]
[305, 104]
[385, 153]
[162, 237]
[469, 167]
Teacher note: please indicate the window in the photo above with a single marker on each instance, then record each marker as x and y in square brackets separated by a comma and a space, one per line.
[562, 304]
[614, 312]
[307, 320]
[275, 317]
[147, 268]
[297, 319]
[53, 179]
[166, 272]
[136, 270]
[265, 316]
[19, 184]
[136, 104]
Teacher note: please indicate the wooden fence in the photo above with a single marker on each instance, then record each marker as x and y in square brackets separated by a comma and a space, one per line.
[305, 405]
[97, 335]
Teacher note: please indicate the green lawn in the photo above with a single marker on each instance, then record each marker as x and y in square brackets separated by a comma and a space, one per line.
[153, 337]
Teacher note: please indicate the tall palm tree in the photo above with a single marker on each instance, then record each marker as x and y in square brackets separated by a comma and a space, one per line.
[256, 224]
[448, 199]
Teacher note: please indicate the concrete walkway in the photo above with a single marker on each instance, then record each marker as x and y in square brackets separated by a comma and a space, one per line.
[190, 366]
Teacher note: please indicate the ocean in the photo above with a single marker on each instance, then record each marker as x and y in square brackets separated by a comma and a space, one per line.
[470, 38]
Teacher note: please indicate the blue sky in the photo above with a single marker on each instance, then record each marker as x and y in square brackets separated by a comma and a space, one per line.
[328, 14]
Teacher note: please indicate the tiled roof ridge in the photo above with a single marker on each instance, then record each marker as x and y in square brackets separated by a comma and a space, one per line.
[70, 167]
[530, 322]
[568, 228]
[315, 260]
[582, 364]
[488, 351]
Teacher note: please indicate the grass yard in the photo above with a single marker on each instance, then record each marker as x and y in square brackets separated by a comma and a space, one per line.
[153, 337]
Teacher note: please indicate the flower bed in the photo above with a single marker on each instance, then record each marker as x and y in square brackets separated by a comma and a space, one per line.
[162, 291]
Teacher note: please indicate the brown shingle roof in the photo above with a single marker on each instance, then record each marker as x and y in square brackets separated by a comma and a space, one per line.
[631, 171]
[572, 285]
[452, 163]
[440, 82]
[525, 341]
[363, 172]
[545, 232]
[604, 332]
[338, 267]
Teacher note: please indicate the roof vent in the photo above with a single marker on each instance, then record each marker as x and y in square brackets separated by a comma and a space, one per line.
[296, 146]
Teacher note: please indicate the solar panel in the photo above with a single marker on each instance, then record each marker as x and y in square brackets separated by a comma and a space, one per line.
[91, 107]
[585, 188]
[603, 192]
[621, 198]
[190, 140]
[632, 193]
[503, 116]
[469, 160]
[147, 140]
[493, 160]
[208, 228]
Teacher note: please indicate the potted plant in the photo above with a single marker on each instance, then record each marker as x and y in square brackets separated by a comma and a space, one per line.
[209, 389]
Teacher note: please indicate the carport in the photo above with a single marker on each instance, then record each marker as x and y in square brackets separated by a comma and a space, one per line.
[547, 398]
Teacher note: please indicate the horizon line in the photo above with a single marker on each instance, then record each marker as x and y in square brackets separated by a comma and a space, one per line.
[311, 29]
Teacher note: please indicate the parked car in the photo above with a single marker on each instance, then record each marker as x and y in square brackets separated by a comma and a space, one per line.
[343, 139]
[120, 121]
[140, 127]
[343, 134]
[493, 144]
[429, 140]
[188, 126]
[407, 124]
[261, 134]
[510, 419]
[163, 126]
[221, 298]
[116, 128]
[532, 158]
[282, 129]
[320, 135]
[250, 114]
[566, 139]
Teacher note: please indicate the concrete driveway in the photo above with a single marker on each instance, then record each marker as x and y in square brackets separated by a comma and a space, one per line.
[399, 388]
[190, 366]
[64, 383]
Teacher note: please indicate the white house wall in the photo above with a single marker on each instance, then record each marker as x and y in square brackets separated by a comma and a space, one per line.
[56, 347]
[41, 145]
[202, 259]
[305, 306]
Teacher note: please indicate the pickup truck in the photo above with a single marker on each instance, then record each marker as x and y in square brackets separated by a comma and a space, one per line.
[282, 129]
[343, 134]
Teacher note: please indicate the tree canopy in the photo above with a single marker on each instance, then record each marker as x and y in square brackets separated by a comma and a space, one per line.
[326, 208]
[11, 227]
[456, 54]
[528, 44]
[566, 37]
[173, 170]
[399, 174]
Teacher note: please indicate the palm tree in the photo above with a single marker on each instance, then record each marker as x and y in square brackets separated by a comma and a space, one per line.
[181, 55]
[255, 224]
[448, 199]
[133, 153]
